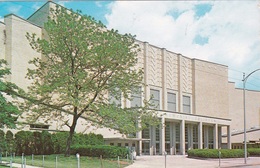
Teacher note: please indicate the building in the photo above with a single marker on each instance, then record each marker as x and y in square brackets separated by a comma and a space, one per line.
[200, 107]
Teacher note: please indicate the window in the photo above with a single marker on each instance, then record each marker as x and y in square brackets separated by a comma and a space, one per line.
[137, 98]
[126, 144]
[119, 144]
[111, 144]
[171, 101]
[115, 99]
[39, 126]
[186, 104]
[155, 98]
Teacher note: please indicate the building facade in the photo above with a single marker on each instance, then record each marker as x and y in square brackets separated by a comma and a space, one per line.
[197, 105]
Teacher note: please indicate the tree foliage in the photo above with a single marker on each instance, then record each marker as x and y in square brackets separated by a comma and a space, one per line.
[9, 112]
[82, 63]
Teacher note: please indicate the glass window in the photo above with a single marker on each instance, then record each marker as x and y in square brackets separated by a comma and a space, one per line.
[155, 98]
[114, 100]
[171, 101]
[186, 104]
[137, 98]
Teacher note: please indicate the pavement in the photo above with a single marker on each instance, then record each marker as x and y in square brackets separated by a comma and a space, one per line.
[182, 161]
[16, 165]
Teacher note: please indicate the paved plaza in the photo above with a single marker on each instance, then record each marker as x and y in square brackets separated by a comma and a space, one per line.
[181, 161]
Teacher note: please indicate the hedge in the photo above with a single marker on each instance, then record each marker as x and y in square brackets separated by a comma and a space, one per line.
[43, 142]
[96, 150]
[214, 153]
[254, 151]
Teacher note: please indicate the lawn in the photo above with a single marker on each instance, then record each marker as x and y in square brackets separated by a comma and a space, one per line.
[49, 161]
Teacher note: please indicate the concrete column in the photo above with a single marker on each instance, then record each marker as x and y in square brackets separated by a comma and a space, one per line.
[200, 138]
[172, 144]
[190, 136]
[180, 83]
[153, 140]
[164, 70]
[182, 137]
[139, 135]
[228, 137]
[162, 137]
[219, 137]
[215, 136]
[206, 137]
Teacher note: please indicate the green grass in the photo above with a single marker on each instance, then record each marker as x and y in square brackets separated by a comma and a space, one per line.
[68, 162]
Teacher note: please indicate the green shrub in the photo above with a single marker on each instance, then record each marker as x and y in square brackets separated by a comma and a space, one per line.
[214, 153]
[96, 150]
[254, 151]
[59, 140]
[23, 140]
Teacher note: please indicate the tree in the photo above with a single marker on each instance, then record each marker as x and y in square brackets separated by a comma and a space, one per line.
[9, 112]
[82, 63]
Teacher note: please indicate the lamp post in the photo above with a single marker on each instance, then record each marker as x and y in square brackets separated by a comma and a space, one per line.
[244, 97]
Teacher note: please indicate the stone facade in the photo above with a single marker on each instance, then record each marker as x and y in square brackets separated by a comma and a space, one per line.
[200, 108]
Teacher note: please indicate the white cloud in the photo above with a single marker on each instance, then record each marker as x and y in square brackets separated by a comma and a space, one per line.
[232, 29]
[62, 3]
[98, 3]
[36, 6]
[14, 9]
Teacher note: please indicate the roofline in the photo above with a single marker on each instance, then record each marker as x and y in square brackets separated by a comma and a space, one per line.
[41, 8]
[179, 54]
[11, 14]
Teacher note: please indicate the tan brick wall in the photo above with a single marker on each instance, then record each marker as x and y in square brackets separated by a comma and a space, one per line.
[236, 112]
[210, 89]
[2, 40]
[18, 50]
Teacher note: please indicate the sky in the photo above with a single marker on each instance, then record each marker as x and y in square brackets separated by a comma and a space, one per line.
[220, 31]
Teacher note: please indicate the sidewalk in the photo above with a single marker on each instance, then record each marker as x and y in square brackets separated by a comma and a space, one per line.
[16, 165]
[179, 161]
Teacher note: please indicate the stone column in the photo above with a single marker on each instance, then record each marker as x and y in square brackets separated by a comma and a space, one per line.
[180, 83]
[206, 137]
[139, 135]
[228, 137]
[200, 138]
[182, 137]
[162, 137]
[215, 136]
[219, 137]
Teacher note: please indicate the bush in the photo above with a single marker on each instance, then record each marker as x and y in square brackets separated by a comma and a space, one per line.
[59, 140]
[96, 150]
[214, 153]
[254, 151]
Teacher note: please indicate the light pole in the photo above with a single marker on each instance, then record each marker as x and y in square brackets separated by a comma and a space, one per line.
[244, 97]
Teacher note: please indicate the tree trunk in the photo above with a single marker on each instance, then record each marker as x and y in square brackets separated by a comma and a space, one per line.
[69, 140]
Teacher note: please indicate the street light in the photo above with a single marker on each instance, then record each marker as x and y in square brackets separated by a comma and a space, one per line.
[244, 86]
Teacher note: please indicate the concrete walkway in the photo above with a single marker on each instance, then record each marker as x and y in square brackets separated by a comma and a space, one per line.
[16, 165]
[179, 161]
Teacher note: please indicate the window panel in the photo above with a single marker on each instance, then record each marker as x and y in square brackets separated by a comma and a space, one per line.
[171, 101]
[136, 98]
[114, 100]
[155, 95]
[186, 104]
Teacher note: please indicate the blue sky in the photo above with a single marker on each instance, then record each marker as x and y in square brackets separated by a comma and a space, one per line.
[225, 32]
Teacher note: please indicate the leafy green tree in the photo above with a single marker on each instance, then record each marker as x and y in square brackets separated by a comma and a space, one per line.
[24, 142]
[8, 110]
[10, 143]
[2, 141]
[83, 62]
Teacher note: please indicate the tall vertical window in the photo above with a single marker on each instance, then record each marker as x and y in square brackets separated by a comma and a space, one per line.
[155, 94]
[137, 98]
[186, 104]
[171, 101]
[114, 99]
